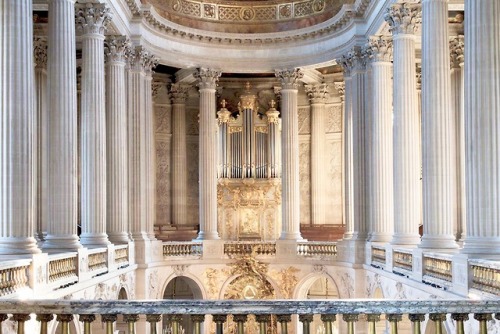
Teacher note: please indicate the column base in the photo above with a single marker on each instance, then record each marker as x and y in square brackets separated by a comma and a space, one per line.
[17, 246]
[405, 239]
[206, 235]
[438, 242]
[139, 236]
[380, 237]
[291, 236]
[482, 246]
[61, 243]
[118, 237]
[94, 240]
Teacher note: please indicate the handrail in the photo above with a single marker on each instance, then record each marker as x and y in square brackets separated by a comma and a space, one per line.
[369, 306]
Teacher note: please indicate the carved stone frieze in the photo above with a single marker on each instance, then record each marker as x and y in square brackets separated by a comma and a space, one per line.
[162, 120]
[92, 18]
[163, 176]
[340, 87]
[404, 18]
[305, 182]
[40, 51]
[304, 120]
[456, 51]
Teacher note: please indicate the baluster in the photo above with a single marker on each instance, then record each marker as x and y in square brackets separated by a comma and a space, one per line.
[64, 319]
[21, 319]
[197, 319]
[416, 319]
[284, 319]
[306, 320]
[328, 320]
[175, 319]
[109, 319]
[87, 320]
[393, 320]
[3, 317]
[438, 319]
[482, 318]
[372, 319]
[460, 318]
[44, 320]
[131, 319]
[240, 320]
[263, 320]
[153, 319]
[219, 320]
[350, 319]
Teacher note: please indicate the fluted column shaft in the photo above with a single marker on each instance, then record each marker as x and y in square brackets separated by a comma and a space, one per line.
[179, 95]
[380, 144]
[116, 143]
[92, 20]
[482, 126]
[290, 204]
[407, 190]
[317, 96]
[40, 51]
[150, 148]
[17, 129]
[438, 129]
[140, 61]
[62, 185]
[457, 101]
[208, 154]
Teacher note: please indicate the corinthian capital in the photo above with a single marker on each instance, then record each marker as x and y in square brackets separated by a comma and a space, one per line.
[207, 78]
[116, 48]
[179, 93]
[317, 93]
[403, 18]
[289, 78]
[92, 18]
[340, 87]
[40, 51]
[141, 59]
[379, 49]
[354, 60]
[456, 51]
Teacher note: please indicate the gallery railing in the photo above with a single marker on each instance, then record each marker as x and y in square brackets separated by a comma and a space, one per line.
[349, 311]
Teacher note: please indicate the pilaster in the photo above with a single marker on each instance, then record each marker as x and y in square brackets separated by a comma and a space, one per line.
[318, 94]
[290, 153]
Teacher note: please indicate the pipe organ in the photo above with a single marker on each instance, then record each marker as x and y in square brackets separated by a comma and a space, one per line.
[249, 187]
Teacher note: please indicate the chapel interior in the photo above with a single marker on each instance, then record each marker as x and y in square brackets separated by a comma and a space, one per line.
[249, 166]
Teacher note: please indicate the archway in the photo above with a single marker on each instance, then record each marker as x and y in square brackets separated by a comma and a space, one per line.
[181, 287]
[322, 287]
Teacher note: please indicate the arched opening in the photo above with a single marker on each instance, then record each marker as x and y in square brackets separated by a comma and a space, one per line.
[121, 325]
[181, 287]
[322, 288]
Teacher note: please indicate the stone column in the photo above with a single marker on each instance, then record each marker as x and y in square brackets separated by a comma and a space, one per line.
[317, 96]
[40, 52]
[403, 19]
[438, 129]
[140, 61]
[457, 101]
[62, 183]
[482, 126]
[179, 94]
[208, 154]
[290, 204]
[150, 147]
[380, 144]
[116, 51]
[92, 20]
[17, 129]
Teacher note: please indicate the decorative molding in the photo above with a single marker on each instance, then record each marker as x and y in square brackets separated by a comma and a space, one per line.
[117, 48]
[141, 59]
[379, 49]
[456, 51]
[207, 78]
[317, 93]
[289, 78]
[404, 18]
[40, 51]
[179, 93]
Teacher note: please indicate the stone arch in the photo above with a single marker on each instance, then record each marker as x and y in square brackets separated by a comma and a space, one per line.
[122, 293]
[192, 281]
[307, 282]
[378, 293]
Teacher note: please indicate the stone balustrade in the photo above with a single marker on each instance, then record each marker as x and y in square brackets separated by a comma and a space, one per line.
[402, 261]
[486, 276]
[437, 267]
[63, 269]
[378, 257]
[121, 256]
[13, 276]
[249, 248]
[182, 249]
[321, 249]
[98, 261]
[280, 311]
